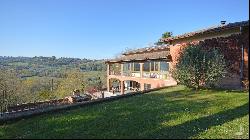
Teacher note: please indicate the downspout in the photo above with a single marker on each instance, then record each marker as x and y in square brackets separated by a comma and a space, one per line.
[242, 60]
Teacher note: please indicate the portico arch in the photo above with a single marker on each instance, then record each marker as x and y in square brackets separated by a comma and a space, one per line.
[115, 85]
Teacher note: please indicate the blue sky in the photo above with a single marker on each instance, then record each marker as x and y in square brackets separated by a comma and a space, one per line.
[99, 29]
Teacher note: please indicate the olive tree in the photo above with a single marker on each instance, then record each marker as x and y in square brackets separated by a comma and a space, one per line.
[73, 81]
[197, 67]
[9, 89]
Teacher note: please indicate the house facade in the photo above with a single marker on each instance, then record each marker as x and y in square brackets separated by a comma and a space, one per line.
[150, 67]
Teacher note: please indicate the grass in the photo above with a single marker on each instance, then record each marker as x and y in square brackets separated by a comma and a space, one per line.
[175, 112]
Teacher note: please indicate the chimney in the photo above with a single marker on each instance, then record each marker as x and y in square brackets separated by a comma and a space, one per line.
[223, 22]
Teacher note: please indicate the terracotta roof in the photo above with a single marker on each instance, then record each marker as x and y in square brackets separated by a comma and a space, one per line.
[142, 56]
[154, 53]
[207, 30]
[147, 49]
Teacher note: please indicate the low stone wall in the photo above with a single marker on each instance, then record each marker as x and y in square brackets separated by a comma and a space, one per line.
[35, 112]
[36, 105]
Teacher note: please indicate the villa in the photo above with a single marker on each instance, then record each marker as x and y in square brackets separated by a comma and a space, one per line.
[149, 68]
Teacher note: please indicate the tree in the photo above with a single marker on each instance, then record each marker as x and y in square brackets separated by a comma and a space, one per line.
[167, 34]
[94, 83]
[10, 93]
[164, 35]
[198, 68]
[74, 81]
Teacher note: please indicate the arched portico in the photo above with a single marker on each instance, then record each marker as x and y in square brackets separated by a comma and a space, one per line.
[122, 84]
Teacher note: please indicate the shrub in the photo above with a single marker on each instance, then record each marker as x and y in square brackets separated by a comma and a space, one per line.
[198, 67]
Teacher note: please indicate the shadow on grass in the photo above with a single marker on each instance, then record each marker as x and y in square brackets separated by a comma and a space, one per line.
[170, 95]
[216, 90]
[194, 127]
[138, 117]
[131, 118]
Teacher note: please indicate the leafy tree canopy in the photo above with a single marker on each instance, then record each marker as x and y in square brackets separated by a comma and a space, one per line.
[167, 34]
[198, 68]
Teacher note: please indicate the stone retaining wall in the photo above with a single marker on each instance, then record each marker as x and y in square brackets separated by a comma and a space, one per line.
[31, 113]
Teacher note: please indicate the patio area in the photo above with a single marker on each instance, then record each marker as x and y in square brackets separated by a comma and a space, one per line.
[110, 94]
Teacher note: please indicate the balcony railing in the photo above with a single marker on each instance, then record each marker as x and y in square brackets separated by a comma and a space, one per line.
[115, 73]
[131, 73]
[156, 75]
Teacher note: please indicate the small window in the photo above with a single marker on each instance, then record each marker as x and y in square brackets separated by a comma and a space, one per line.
[146, 66]
[164, 66]
[147, 86]
[132, 66]
[152, 66]
[156, 66]
[126, 67]
[136, 67]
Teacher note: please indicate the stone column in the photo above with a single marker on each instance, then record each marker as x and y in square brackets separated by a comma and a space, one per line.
[141, 69]
[108, 81]
[108, 69]
[142, 86]
[121, 69]
[108, 84]
[122, 87]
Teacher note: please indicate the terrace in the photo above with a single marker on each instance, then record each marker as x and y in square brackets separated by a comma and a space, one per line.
[149, 69]
[140, 70]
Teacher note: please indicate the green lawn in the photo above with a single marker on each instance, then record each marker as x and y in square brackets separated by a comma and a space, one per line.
[176, 112]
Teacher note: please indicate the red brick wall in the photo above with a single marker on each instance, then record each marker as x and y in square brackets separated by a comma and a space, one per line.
[231, 48]
[175, 51]
[246, 51]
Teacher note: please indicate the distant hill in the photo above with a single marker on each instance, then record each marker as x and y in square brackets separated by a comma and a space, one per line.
[48, 66]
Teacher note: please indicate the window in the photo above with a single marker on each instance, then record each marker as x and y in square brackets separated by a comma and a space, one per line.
[147, 86]
[136, 67]
[146, 66]
[126, 67]
[152, 66]
[164, 66]
[156, 66]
